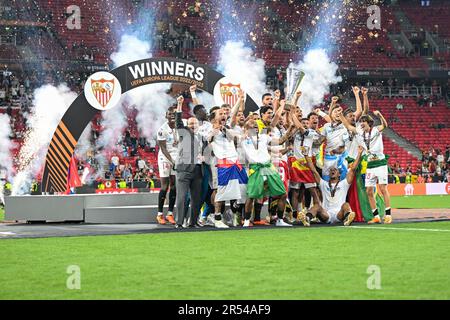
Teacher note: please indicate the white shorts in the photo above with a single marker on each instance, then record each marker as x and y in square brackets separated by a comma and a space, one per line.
[165, 168]
[297, 185]
[332, 214]
[379, 174]
[333, 218]
[213, 178]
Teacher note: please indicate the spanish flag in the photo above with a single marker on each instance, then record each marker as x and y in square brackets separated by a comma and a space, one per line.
[299, 171]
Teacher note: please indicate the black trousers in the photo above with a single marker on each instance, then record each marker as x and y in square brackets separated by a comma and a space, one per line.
[189, 182]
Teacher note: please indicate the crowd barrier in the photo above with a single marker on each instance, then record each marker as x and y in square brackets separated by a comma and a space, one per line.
[416, 189]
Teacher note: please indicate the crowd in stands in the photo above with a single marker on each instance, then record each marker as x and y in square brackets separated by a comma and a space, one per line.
[434, 167]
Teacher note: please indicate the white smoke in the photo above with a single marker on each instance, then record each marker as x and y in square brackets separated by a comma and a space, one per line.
[151, 102]
[320, 73]
[114, 121]
[6, 146]
[237, 62]
[84, 143]
[130, 49]
[48, 107]
[206, 99]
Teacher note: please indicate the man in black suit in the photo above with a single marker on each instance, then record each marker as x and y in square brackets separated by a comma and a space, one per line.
[188, 167]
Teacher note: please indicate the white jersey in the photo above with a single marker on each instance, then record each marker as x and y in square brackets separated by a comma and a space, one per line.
[304, 141]
[205, 129]
[316, 145]
[353, 141]
[256, 148]
[372, 143]
[276, 150]
[241, 153]
[333, 204]
[170, 136]
[335, 135]
[223, 147]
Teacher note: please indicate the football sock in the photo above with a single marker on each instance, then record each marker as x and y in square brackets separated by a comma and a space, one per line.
[375, 212]
[258, 207]
[388, 211]
[161, 199]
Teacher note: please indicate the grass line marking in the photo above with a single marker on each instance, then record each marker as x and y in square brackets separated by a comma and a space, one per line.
[393, 228]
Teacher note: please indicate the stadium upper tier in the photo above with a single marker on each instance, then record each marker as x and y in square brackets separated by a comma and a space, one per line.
[279, 29]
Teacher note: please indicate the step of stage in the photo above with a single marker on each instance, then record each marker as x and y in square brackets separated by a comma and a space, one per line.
[121, 214]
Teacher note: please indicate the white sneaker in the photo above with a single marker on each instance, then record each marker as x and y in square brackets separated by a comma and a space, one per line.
[246, 224]
[219, 224]
[210, 220]
[281, 223]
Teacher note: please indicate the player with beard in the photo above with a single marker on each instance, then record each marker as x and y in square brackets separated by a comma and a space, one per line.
[334, 208]
[263, 122]
[280, 125]
[231, 175]
[237, 123]
[313, 124]
[266, 100]
[264, 179]
[219, 122]
[352, 143]
[335, 134]
[167, 141]
[300, 174]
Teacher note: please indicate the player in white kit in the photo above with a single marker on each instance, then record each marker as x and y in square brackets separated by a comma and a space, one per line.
[334, 208]
[167, 142]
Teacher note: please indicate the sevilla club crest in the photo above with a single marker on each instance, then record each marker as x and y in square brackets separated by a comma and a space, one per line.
[103, 90]
[230, 93]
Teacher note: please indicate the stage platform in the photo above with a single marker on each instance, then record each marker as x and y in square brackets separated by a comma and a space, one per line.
[87, 208]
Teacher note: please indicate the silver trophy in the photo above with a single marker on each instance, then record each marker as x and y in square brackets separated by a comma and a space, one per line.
[294, 79]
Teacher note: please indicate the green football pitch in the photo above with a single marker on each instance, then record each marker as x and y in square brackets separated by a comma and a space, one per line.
[400, 261]
[421, 202]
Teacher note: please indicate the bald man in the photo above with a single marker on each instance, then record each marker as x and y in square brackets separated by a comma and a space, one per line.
[188, 168]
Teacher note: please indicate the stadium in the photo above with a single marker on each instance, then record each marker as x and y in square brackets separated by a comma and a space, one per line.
[225, 150]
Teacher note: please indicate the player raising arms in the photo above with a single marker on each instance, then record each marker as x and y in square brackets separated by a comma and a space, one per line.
[377, 170]
[334, 208]
[335, 134]
[300, 174]
[264, 179]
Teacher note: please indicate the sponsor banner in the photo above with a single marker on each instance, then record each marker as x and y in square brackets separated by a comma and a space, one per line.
[438, 188]
[416, 189]
[115, 191]
[166, 70]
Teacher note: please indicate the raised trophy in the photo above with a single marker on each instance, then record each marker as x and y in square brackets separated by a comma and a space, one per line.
[294, 79]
